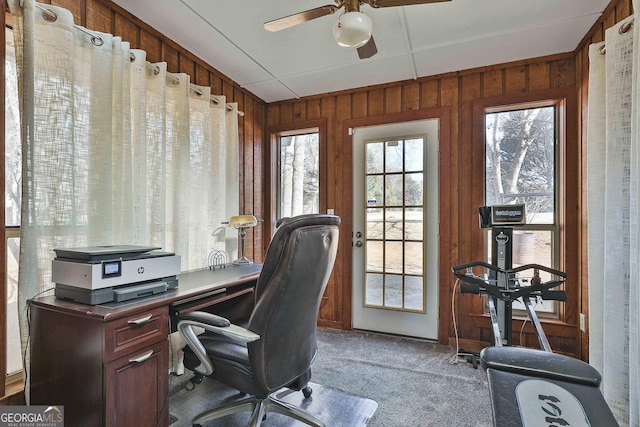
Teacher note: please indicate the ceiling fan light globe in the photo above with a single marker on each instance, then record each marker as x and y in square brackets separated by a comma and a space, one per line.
[352, 29]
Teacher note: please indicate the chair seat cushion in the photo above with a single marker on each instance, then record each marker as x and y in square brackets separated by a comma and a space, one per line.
[221, 351]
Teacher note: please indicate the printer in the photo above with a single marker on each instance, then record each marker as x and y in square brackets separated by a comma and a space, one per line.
[114, 273]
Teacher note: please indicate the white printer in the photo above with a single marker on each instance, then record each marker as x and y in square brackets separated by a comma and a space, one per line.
[115, 273]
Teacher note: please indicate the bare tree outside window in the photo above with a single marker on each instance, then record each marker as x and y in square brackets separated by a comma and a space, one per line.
[12, 192]
[520, 168]
[299, 174]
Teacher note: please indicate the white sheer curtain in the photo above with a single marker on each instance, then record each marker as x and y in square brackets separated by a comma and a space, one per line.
[115, 150]
[613, 166]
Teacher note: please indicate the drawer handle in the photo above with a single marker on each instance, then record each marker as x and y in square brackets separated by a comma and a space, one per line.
[142, 357]
[140, 320]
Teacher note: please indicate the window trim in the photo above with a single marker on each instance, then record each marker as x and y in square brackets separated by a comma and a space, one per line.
[271, 166]
[568, 222]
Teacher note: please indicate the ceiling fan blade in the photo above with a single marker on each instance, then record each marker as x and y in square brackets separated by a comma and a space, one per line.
[299, 18]
[392, 3]
[368, 50]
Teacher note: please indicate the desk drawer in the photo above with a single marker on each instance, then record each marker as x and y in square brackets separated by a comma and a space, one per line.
[135, 332]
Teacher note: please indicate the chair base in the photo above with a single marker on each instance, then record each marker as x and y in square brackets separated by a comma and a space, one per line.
[259, 408]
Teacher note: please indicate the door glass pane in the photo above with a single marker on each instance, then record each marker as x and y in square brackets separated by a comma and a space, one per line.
[374, 256]
[393, 257]
[414, 224]
[374, 289]
[393, 190]
[393, 224]
[413, 295]
[414, 155]
[374, 190]
[393, 291]
[299, 174]
[413, 258]
[393, 156]
[394, 208]
[413, 189]
[375, 157]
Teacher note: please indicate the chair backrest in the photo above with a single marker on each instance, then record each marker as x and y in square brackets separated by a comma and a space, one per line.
[295, 273]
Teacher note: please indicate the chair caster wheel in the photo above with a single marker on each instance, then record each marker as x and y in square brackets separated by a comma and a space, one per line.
[307, 392]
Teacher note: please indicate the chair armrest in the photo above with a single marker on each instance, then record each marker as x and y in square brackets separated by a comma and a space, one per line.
[212, 323]
[219, 325]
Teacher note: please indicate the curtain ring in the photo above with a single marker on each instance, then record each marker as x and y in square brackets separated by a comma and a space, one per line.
[603, 49]
[97, 40]
[49, 15]
[625, 27]
[132, 57]
[215, 100]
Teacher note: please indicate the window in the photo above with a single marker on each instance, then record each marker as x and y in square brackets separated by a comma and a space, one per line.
[13, 179]
[299, 174]
[521, 146]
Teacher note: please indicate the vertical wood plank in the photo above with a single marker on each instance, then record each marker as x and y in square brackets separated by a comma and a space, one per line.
[375, 102]
[299, 111]
[563, 73]
[77, 8]
[170, 56]
[393, 100]
[492, 83]
[515, 80]
[126, 29]
[429, 94]
[286, 113]
[359, 104]
[313, 109]
[344, 206]
[151, 45]
[411, 96]
[98, 16]
[539, 76]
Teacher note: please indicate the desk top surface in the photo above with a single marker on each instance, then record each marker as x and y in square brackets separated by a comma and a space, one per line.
[191, 284]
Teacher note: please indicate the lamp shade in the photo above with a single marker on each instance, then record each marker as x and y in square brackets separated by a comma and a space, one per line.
[242, 221]
[352, 29]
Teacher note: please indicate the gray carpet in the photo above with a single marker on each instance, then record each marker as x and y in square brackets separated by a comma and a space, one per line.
[412, 382]
[334, 407]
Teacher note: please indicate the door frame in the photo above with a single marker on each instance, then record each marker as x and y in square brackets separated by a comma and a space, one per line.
[445, 198]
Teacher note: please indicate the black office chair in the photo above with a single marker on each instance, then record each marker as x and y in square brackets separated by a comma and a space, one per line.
[278, 344]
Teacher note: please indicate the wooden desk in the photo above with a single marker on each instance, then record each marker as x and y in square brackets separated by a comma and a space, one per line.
[108, 364]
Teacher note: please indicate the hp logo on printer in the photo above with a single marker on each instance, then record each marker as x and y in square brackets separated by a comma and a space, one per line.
[140, 270]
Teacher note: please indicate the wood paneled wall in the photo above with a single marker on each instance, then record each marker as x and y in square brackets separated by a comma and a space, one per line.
[453, 98]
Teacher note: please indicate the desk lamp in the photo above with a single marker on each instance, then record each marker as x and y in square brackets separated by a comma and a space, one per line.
[242, 222]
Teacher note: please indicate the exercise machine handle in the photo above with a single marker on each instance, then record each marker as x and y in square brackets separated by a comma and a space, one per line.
[540, 267]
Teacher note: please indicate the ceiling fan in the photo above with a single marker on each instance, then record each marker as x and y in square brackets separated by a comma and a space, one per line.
[353, 28]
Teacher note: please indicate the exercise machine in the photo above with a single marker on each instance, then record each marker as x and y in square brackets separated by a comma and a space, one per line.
[528, 387]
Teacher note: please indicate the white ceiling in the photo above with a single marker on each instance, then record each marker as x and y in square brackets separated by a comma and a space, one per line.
[413, 41]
